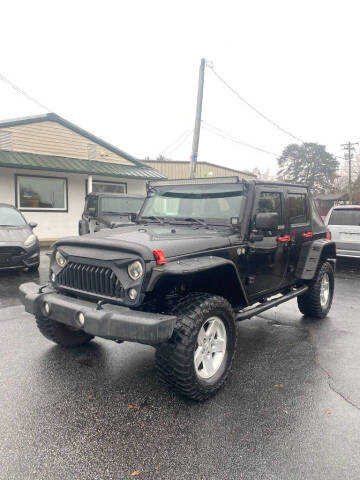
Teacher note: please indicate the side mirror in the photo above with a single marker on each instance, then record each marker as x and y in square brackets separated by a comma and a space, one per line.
[132, 217]
[32, 225]
[91, 211]
[267, 221]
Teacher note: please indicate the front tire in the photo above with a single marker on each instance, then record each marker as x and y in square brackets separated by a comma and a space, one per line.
[197, 359]
[316, 302]
[61, 334]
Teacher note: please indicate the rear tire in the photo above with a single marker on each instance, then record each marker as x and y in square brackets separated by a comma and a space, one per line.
[316, 302]
[197, 359]
[61, 334]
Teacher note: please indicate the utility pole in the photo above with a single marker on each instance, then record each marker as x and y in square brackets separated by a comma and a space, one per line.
[349, 147]
[195, 144]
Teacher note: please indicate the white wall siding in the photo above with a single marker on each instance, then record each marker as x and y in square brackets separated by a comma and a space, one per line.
[54, 225]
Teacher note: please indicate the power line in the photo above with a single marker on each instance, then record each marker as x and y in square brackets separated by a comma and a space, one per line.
[22, 92]
[177, 142]
[227, 136]
[265, 117]
[180, 143]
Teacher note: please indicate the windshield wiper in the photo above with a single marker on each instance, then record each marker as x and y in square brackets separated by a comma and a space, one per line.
[201, 221]
[114, 213]
[153, 217]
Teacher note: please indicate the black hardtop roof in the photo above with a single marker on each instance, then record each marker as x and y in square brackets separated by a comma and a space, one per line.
[221, 180]
[116, 195]
[280, 184]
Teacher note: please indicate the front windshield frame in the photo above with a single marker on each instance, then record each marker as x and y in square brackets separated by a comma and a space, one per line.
[214, 190]
[111, 211]
[18, 215]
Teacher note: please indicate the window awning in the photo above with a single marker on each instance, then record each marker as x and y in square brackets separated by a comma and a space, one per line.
[52, 163]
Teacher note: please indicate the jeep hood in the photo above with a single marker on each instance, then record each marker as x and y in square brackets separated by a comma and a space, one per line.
[174, 240]
[108, 219]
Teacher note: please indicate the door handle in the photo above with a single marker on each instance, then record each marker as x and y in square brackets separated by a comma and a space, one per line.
[307, 234]
[284, 239]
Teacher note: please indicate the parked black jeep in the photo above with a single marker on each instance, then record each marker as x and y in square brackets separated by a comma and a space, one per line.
[105, 210]
[202, 255]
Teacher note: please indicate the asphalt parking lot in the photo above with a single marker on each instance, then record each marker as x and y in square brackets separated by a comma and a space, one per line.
[289, 411]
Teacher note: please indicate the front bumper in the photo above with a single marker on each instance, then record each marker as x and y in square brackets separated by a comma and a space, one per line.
[29, 257]
[110, 321]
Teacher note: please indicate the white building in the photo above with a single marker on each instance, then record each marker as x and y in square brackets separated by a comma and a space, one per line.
[47, 165]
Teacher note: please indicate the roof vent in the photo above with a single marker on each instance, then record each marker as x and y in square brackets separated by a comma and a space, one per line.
[92, 151]
[5, 140]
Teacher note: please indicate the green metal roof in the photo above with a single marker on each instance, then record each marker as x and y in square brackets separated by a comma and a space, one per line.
[52, 163]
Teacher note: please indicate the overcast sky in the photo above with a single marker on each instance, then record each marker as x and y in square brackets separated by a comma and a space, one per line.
[127, 71]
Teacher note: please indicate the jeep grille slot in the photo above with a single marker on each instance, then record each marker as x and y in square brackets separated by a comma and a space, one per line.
[90, 278]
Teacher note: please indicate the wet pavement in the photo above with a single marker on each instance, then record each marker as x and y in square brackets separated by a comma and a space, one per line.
[289, 411]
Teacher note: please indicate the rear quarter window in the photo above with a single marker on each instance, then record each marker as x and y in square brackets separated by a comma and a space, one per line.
[297, 208]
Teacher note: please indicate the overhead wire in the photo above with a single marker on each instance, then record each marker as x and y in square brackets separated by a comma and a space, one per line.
[256, 110]
[173, 146]
[22, 92]
[228, 136]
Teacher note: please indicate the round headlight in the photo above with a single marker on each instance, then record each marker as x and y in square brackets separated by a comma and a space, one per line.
[60, 259]
[135, 270]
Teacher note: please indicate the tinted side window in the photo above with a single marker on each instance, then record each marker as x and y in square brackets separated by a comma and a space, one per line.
[92, 202]
[270, 202]
[297, 208]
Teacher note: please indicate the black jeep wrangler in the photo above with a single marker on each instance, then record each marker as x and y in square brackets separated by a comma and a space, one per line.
[105, 210]
[202, 255]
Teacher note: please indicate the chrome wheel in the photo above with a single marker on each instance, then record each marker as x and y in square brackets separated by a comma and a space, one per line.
[211, 347]
[324, 290]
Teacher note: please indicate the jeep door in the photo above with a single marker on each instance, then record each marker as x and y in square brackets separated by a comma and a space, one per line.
[299, 219]
[268, 251]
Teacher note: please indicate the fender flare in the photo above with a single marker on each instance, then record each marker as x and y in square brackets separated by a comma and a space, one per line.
[192, 265]
[310, 255]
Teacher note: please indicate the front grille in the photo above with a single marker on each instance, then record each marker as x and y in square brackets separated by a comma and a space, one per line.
[90, 279]
[12, 250]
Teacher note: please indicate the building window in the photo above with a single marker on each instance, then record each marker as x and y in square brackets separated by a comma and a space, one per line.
[41, 193]
[5, 140]
[107, 187]
[92, 151]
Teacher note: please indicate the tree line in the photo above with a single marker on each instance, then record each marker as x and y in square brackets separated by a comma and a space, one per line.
[311, 164]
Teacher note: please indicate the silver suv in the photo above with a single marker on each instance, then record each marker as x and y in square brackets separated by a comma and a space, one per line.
[343, 221]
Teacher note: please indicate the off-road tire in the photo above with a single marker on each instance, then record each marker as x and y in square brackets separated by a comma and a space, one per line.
[175, 358]
[61, 334]
[309, 303]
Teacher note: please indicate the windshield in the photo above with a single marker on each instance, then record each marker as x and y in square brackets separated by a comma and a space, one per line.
[342, 216]
[117, 205]
[10, 217]
[213, 203]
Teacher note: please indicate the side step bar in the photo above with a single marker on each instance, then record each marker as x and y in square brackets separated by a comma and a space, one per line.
[251, 312]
